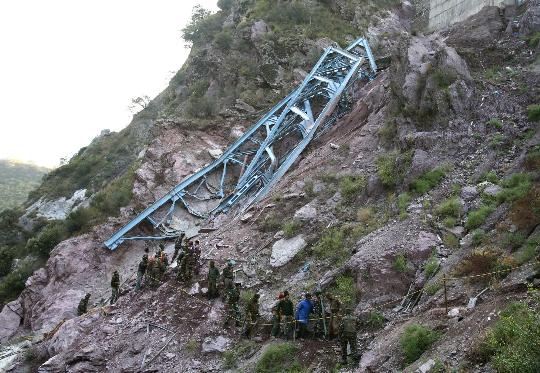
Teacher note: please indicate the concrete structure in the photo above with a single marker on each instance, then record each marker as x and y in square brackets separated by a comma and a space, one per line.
[438, 14]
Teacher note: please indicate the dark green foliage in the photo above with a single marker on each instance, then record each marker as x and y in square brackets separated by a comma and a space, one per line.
[239, 351]
[290, 228]
[495, 122]
[450, 208]
[6, 260]
[375, 320]
[532, 162]
[513, 240]
[431, 267]
[478, 236]
[534, 39]
[279, 358]
[529, 250]
[331, 245]
[223, 40]
[203, 26]
[403, 202]
[351, 185]
[391, 168]
[200, 107]
[13, 283]
[224, 4]
[444, 78]
[490, 176]
[344, 289]
[16, 181]
[415, 341]
[477, 217]
[512, 344]
[428, 181]
[400, 262]
[46, 240]
[533, 112]
[514, 187]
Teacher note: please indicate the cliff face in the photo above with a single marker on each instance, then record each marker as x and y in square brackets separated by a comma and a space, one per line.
[434, 172]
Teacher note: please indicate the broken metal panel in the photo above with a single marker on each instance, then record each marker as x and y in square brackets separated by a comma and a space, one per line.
[261, 156]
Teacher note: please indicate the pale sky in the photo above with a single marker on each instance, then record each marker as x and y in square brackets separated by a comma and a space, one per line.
[69, 68]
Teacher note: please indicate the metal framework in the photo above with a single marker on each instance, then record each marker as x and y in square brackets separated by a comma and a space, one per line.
[247, 170]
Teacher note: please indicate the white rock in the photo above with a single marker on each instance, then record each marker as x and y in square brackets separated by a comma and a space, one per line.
[218, 344]
[453, 312]
[236, 132]
[285, 249]
[215, 153]
[194, 289]
[334, 146]
[426, 367]
[169, 355]
[492, 190]
[58, 209]
[307, 212]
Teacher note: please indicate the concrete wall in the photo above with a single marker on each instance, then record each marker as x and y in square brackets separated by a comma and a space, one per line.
[438, 14]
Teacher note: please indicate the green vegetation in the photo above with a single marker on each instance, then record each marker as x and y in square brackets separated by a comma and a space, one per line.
[534, 39]
[403, 201]
[351, 185]
[514, 187]
[271, 223]
[192, 346]
[388, 131]
[223, 40]
[391, 168]
[533, 112]
[482, 261]
[203, 26]
[400, 262]
[428, 180]
[444, 78]
[290, 228]
[239, 351]
[415, 340]
[344, 289]
[495, 122]
[529, 249]
[375, 320]
[47, 239]
[13, 283]
[331, 246]
[431, 266]
[490, 176]
[433, 288]
[449, 222]
[450, 240]
[532, 161]
[279, 358]
[513, 240]
[496, 140]
[477, 217]
[16, 181]
[478, 237]
[450, 208]
[511, 345]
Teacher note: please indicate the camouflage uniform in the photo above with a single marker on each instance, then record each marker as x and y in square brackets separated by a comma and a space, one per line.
[318, 314]
[252, 314]
[333, 323]
[150, 271]
[286, 311]
[228, 276]
[347, 336]
[83, 305]
[275, 321]
[233, 296]
[143, 264]
[115, 286]
[213, 277]
[178, 246]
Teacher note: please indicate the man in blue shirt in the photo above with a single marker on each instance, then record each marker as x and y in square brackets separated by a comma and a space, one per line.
[303, 310]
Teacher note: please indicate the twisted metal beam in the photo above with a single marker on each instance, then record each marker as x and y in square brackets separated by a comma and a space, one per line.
[249, 168]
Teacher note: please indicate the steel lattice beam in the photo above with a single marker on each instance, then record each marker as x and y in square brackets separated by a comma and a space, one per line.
[248, 169]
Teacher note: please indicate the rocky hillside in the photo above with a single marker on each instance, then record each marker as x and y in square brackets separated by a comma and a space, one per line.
[17, 179]
[422, 197]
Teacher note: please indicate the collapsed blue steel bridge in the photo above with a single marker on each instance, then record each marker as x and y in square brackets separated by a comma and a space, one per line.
[249, 168]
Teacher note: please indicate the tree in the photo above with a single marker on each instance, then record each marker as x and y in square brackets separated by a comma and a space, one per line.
[139, 103]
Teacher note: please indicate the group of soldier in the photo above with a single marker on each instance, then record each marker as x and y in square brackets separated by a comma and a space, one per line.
[317, 317]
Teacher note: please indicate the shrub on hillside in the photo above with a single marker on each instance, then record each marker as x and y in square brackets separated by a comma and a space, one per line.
[514, 187]
[46, 240]
[375, 320]
[428, 180]
[415, 340]
[331, 245]
[6, 260]
[13, 283]
[533, 112]
[403, 202]
[290, 228]
[344, 289]
[450, 208]
[351, 185]
[279, 358]
[400, 262]
[477, 217]
[495, 122]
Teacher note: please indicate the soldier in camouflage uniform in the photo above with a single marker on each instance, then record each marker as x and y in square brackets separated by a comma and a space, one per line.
[178, 246]
[83, 305]
[228, 277]
[213, 277]
[115, 286]
[233, 296]
[150, 271]
[141, 270]
[319, 327]
[252, 315]
[286, 311]
[347, 336]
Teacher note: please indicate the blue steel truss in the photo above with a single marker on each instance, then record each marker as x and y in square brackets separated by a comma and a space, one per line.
[249, 168]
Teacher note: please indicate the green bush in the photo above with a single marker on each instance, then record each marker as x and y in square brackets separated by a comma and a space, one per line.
[449, 222]
[202, 26]
[450, 208]
[477, 217]
[512, 343]
[433, 288]
[513, 240]
[444, 78]
[450, 240]
[496, 140]
[478, 236]
[391, 168]
[240, 350]
[46, 240]
[415, 340]
[331, 245]
[290, 228]
[529, 250]
[13, 283]
[375, 319]
[490, 176]
[351, 185]
[400, 262]
[514, 187]
[533, 112]
[223, 40]
[224, 4]
[403, 202]
[344, 289]
[279, 358]
[428, 180]
[6, 260]
[388, 131]
[495, 122]
[431, 267]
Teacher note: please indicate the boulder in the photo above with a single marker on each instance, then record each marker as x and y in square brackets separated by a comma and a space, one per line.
[215, 153]
[421, 162]
[218, 344]
[236, 132]
[426, 367]
[10, 319]
[469, 192]
[258, 29]
[492, 190]
[285, 249]
[244, 106]
[307, 212]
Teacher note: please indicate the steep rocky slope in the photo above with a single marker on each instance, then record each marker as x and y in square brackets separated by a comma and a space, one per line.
[432, 175]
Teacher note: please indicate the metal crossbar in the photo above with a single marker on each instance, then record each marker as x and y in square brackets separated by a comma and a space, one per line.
[249, 168]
